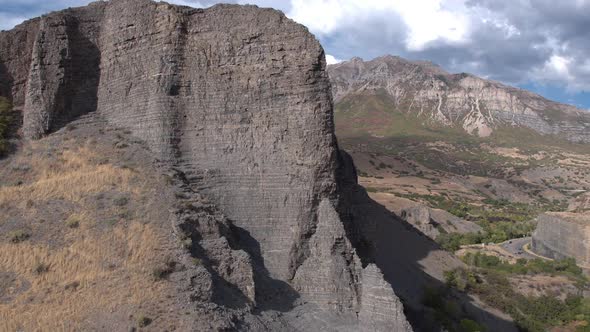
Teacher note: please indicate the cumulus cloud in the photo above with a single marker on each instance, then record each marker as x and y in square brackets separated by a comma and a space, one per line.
[190, 3]
[330, 59]
[425, 20]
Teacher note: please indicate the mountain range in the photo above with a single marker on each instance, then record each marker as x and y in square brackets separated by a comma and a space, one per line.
[437, 98]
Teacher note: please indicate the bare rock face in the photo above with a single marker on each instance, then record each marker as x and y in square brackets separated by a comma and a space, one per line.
[237, 100]
[562, 234]
[476, 105]
[433, 222]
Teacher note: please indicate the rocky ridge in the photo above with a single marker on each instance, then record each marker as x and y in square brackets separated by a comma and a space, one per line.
[433, 222]
[476, 105]
[236, 101]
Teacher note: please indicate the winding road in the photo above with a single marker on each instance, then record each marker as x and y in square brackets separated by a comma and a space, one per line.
[516, 248]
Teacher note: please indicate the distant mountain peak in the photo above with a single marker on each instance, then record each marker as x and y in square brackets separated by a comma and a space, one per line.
[464, 100]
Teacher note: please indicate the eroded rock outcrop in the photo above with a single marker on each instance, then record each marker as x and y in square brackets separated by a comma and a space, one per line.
[433, 222]
[476, 105]
[563, 234]
[237, 100]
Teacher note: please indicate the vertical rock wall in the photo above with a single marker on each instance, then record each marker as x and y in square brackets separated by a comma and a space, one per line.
[561, 234]
[237, 98]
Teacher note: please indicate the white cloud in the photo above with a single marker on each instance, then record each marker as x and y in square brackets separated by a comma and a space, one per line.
[514, 41]
[555, 70]
[426, 20]
[330, 59]
[190, 3]
[558, 65]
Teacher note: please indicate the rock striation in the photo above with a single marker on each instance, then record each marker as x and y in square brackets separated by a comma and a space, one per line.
[563, 234]
[236, 99]
[476, 105]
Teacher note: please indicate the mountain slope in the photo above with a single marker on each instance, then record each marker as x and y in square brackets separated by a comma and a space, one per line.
[478, 106]
[493, 157]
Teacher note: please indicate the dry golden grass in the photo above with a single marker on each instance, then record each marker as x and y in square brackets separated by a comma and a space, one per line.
[72, 176]
[95, 270]
[113, 269]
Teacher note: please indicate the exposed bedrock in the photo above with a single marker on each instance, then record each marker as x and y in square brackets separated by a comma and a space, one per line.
[433, 222]
[476, 105]
[562, 234]
[237, 99]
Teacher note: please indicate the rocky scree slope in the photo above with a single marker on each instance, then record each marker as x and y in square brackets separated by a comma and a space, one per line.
[476, 105]
[236, 100]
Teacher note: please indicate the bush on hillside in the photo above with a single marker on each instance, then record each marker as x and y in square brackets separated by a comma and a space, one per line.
[5, 120]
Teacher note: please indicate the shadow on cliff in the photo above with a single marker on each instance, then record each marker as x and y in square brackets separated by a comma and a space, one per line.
[410, 261]
[6, 81]
[271, 294]
[78, 94]
[15, 116]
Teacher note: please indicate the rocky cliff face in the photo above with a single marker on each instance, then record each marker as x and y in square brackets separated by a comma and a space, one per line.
[477, 105]
[563, 234]
[432, 222]
[237, 101]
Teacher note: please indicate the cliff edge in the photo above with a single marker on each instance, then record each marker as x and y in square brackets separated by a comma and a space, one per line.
[235, 100]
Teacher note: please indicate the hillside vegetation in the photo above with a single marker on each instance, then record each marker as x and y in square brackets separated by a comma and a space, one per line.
[501, 183]
[6, 118]
[82, 232]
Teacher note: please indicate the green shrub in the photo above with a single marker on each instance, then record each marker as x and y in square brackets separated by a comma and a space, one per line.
[18, 236]
[5, 122]
[490, 283]
[41, 268]
[566, 266]
[143, 321]
[447, 311]
[162, 271]
[468, 325]
[453, 241]
[73, 221]
[371, 189]
[121, 201]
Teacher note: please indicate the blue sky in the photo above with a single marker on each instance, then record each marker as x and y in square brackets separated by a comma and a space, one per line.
[539, 45]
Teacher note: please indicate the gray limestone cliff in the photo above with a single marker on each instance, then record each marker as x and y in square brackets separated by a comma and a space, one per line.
[476, 105]
[236, 99]
[563, 234]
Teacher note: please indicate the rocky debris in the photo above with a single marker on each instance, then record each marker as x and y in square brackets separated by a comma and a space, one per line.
[580, 204]
[544, 285]
[477, 105]
[236, 99]
[563, 234]
[380, 302]
[432, 222]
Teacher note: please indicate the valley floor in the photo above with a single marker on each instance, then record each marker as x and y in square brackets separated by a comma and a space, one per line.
[481, 201]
